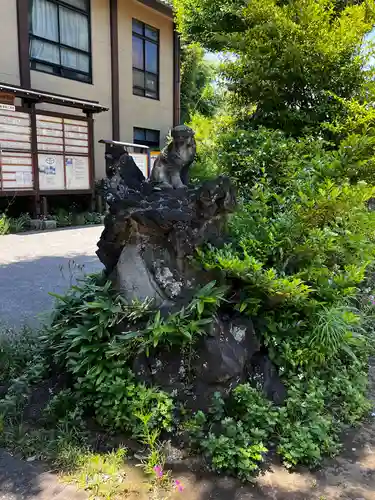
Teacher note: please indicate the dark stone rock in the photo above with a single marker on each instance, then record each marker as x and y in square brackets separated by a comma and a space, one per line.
[218, 363]
[221, 358]
[4, 390]
[371, 204]
[148, 246]
[141, 368]
[150, 235]
[242, 329]
[41, 395]
[265, 374]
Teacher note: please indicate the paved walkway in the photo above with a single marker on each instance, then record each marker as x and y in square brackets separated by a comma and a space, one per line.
[31, 266]
[21, 480]
[34, 264]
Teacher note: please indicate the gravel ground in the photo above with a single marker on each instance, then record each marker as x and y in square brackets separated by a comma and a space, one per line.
[34, 264]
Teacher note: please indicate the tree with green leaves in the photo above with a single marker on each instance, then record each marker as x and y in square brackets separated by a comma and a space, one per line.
[198, 91]
[291, 56]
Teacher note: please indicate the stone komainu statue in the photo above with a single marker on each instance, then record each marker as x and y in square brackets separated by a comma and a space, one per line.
[171, 167]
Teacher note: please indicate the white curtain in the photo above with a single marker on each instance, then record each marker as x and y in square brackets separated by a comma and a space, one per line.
[74, 31]
[45, 24]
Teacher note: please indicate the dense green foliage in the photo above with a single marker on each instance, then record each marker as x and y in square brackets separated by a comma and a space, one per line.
[290, 55]
[298, 141]
[91, 338]
[198, 92]
[63, 218]
[236, 435]
[14, 224]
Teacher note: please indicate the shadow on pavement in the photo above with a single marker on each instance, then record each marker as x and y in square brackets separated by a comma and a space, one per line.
[25, 285]
[20, 480]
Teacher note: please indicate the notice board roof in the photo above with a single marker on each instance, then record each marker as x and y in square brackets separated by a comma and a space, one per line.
[50, 98]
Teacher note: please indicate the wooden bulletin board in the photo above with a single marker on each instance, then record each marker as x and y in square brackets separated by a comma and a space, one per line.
[16, 166]
[63, 143]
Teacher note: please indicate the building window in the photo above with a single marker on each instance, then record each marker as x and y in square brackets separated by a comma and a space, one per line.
[145, 60]
[147, 137]
[60, 38]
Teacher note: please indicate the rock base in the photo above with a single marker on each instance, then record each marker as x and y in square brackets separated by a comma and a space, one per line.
[229, 355]
[148, 246]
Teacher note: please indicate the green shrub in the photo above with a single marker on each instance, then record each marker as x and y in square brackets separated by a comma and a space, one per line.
[302, 244]
[205, 165]
[234, 435]
[335, 329]
[90, 339]
[120, 400]
[4, 224]
[306, 429]
[17, 350]
[247, 155]
[12, 404]
[290, 56]
[232, 451]
[92, 218]
[231, 437]
[63, 218]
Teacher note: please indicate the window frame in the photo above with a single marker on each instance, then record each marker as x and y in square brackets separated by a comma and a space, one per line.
[145, 142]
[58, 69]
[146, 39]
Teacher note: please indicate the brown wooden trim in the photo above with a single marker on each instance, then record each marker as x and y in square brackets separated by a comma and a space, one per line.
[66, 191]
[11, 172]
[115, 75]
[18, 140]
[176, 78]
[23, 42]
[160, 7]
[33, 95]
[1, 173]
[64, 152]
[61, 115]
[34, 155]
[91, 153]
[9, 193]
[50, 143]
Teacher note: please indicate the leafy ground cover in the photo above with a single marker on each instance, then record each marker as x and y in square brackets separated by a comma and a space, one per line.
[63, 218]
[45, 417]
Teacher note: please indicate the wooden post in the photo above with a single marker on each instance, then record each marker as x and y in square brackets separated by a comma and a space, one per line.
[44, 205]
[34, 156]
[115, 75]
[91, 158]
[23, 42]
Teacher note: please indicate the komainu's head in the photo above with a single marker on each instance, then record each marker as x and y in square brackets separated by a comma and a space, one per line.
[182, 137]
[182, 131]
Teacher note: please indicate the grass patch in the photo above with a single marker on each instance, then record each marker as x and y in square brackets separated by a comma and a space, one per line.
[17, 349]
[59, 434]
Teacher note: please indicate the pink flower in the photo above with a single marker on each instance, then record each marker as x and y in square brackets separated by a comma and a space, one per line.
[178, 485]
[158, 471]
